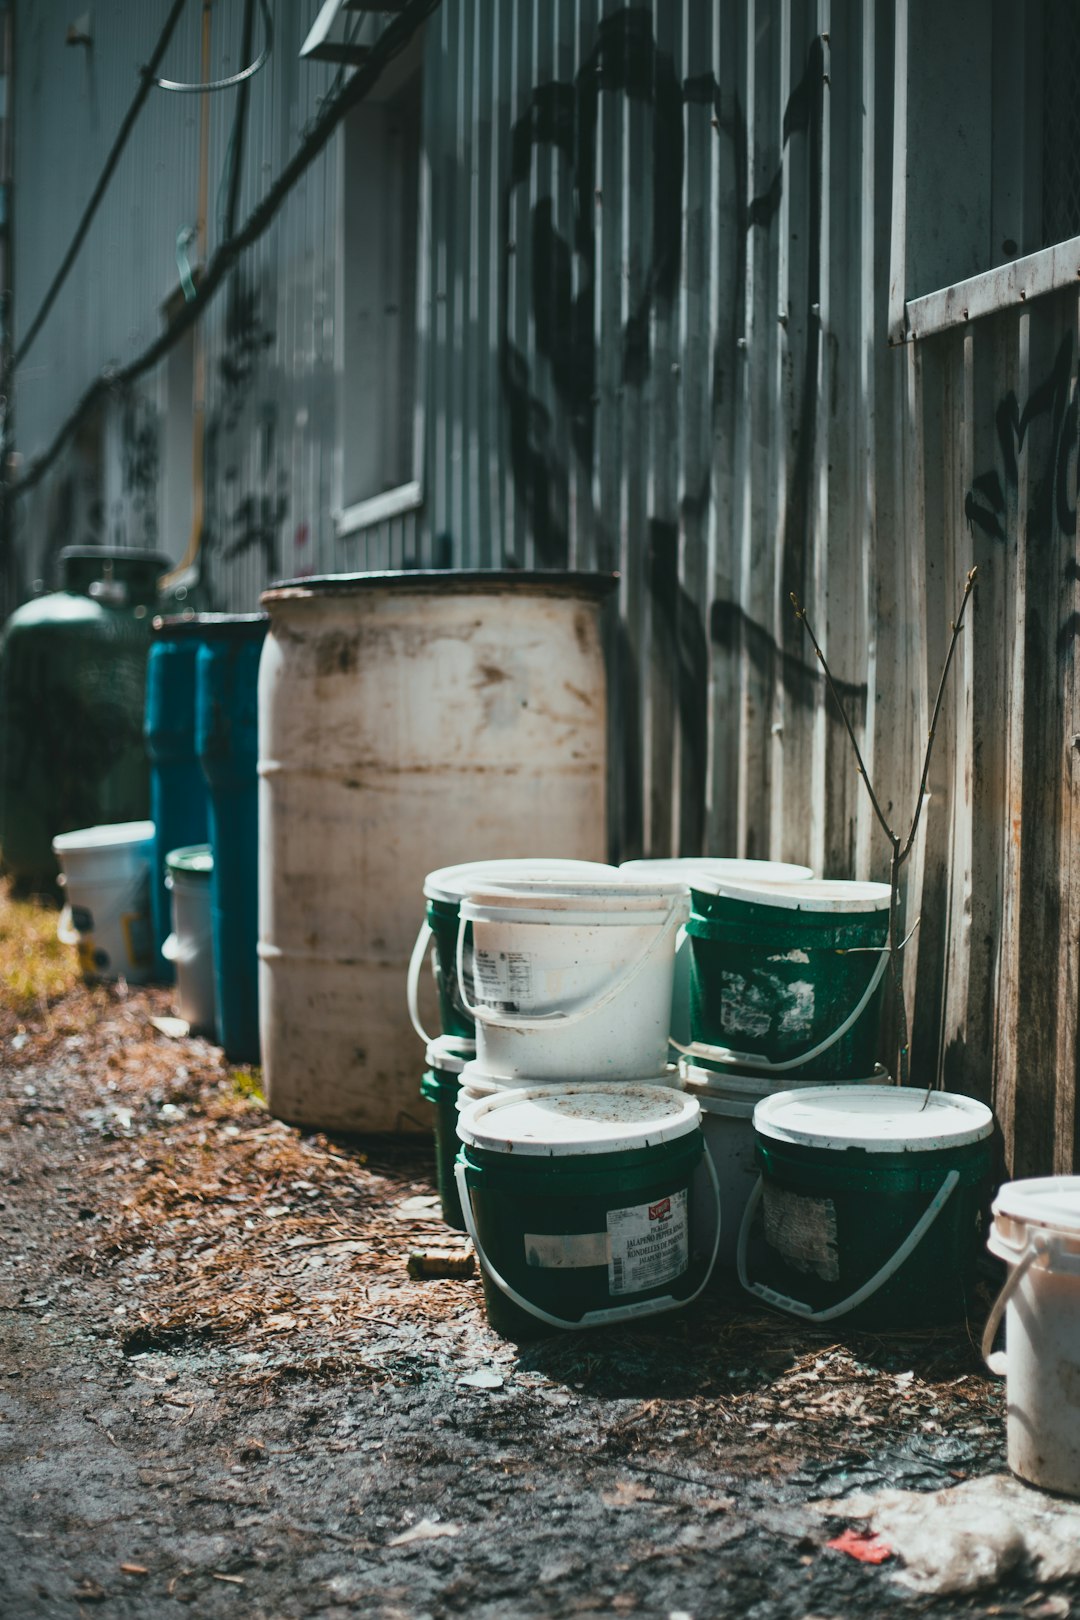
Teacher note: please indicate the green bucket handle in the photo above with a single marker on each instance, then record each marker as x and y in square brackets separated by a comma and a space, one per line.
[1039, 1246]
[613, 1313]
[796, 1307]
[483, 1014]
[412, 983]
[748, 1060]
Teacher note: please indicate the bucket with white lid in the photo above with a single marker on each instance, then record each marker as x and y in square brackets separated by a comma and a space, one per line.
[588, 1205]
[727, 1120]
[106, 882]
[444, 891]
[873, 1198]
[570, 981]
[441, 1086]
[787, 978]
[190, 946]
[1036, 1231]
[682, 870]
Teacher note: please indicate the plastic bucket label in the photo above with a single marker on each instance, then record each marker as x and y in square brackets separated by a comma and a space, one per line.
[650, 1244]
[505, 979]
[803, 1231]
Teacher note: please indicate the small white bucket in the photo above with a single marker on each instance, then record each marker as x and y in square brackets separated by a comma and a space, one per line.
[1036, 1230]
[190, 946]
[719, 868]
[727, 1121]
[571, 982]
[106, 884]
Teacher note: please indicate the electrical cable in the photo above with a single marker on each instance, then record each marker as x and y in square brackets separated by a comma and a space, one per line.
[239, 128]
[234, 78]
[391, 42]
[146, 85]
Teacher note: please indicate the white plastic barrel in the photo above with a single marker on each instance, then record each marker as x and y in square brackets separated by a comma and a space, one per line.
[1036, 1230]
[571, 981]
[106, 882]
[406, 722]
[190, 946]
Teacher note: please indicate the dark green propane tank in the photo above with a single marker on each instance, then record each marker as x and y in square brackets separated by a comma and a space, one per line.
[72, 676]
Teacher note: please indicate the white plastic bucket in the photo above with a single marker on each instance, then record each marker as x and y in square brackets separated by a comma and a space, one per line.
[571, 981]
[190, 946]
[444, 891]
[1036, 1230]
[684, 870]
[727, 1120]
[106, 883]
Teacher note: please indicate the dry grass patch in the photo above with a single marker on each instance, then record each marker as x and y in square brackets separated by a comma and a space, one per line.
[35, 969]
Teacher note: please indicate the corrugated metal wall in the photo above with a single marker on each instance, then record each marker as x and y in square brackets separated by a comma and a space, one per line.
[653, 337]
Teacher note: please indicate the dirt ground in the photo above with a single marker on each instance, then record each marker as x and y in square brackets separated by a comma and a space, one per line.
[222, 1394]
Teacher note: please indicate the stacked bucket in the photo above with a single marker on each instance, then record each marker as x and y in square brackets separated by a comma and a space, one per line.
[580, 1172]
[563, 996]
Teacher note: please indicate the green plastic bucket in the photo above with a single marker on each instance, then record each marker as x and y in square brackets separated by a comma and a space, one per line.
[787, 978]
[874, 1199]
[588, 1205]
[443, 892]
[441, 1086]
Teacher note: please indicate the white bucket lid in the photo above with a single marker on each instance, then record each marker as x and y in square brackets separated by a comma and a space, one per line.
[564, 1121]
[449, 1053]
[712, 1083]
[1050, 1202]
[837, 895]
[724, 868]
[450, 883]
[482, 1080]
[880, 1119]
[116, 836]
[605, 900]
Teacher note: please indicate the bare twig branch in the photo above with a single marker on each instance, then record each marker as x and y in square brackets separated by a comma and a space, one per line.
[800, 613]
[957, 627]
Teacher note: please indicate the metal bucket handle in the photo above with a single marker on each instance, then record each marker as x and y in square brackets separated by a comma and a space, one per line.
[747, 1060]
[797, 1307]
[491, 1016]
[613, 1313]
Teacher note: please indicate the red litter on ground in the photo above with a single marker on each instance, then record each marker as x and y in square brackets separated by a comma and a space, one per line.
[864, 1545]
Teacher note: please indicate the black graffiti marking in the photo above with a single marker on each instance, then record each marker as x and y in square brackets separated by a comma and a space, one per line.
[985, 503]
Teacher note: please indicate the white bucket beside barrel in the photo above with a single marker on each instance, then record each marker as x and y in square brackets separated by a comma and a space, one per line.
[106, 882]
[571, 981]
[1036, 1231]
[190, 946]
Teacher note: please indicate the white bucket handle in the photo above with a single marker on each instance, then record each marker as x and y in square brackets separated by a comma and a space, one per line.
[1039, 1245]
[797, 1307]
[622, 980]
[613, 1313]
[412, 986]
[747, 1060]
[66, 932]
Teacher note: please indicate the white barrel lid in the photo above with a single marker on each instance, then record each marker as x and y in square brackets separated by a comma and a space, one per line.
[449, 883]
[724, 868]
[560, 1121]
[107, 837]
[879, 1119]
[1051, 1202]
[480, 1079]
[838, 895]
[605, 898]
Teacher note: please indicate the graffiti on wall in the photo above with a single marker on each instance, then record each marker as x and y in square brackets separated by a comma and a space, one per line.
[561, 123]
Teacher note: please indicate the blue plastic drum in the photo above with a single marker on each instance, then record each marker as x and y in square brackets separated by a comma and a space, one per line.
[226, 728]
[177, 786]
